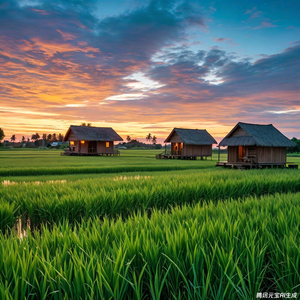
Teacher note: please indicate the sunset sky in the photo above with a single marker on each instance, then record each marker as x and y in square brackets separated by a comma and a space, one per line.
[148, 66]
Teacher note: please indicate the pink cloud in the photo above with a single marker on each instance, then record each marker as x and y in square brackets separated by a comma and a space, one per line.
[255, 15]
[41, 11]
[265, 25]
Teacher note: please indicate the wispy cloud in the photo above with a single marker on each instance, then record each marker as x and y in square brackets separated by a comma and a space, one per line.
[253, 13]
[126, 97]
[264, 25]
[75, 105]
[227, 40]
[289, 111]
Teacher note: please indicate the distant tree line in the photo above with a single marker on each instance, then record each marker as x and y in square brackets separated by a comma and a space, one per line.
[134, 143]
[51, 137]
[149, 138]
[295, 149]
[46, 137]
[54, 137]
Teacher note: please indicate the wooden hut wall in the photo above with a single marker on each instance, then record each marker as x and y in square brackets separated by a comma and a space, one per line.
[271, 154]
[232, 153]
[72, 137]
[101, 147]
[84, 148]
[197, 150]
[263, 154]
[175, 138]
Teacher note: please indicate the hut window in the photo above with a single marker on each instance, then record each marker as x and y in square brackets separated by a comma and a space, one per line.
[72, 143]
[82, 142]
[107, 144]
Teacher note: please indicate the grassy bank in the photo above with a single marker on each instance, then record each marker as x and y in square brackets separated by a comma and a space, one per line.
[227, 250]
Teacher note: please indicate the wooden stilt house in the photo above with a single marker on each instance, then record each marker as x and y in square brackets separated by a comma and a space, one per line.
[189, 144]
[86, 140]
[255, 145]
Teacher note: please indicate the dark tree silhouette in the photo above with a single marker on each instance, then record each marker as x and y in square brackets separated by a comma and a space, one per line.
[86, 124]
[13, 138]
[154, 140]
[49, 137]
[296, 148]
[23, 139]
[128, 139]
[54, 138]
[60, 137]
[2, 135]
[149, 137]
[44, 136]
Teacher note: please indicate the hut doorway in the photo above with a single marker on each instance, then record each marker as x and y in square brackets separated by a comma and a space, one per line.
[241, 153]
[92, 147]
[177, 148]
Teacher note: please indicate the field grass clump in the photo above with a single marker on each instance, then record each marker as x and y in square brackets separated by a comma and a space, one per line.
[121, 196]
[34, 162]
[229, 250]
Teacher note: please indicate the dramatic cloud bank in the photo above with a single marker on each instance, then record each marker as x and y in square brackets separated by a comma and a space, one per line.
[142, 68]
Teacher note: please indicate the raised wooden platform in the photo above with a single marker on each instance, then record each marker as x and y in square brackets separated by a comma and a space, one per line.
[172, 156]
[71, 153]
[247, 165]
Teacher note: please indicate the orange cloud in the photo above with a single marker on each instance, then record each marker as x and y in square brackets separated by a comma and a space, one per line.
[66, 36]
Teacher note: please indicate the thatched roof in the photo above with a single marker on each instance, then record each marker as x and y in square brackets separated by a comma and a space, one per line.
[193, 136]
[257, 135]
[87, 133]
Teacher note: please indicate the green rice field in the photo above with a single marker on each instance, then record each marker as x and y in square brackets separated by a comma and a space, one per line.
[134, 227]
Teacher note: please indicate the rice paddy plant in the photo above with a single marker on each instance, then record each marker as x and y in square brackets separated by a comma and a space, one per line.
[122, 196]
[221, 250]
[94, 170]
[7, 215]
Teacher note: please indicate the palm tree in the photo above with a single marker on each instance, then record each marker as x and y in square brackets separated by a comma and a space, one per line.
[128, 139]
[23, 139]
[13, 138]
[149, 137]
[154, 140]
